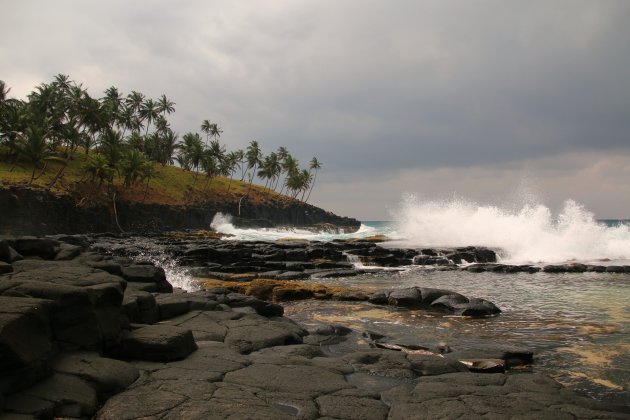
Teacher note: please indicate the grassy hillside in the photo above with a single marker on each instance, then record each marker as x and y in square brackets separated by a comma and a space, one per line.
[170, 185]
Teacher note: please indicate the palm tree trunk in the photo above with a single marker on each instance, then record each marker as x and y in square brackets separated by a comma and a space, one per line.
[312, 185]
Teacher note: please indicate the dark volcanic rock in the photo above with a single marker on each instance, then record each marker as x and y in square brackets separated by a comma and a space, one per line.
[109, 376]
[25, 334]
[33, 211]
[161, 343]
[416, 297]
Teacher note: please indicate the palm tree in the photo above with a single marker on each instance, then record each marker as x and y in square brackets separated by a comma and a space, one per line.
[165, 106]
[216, 150]
[33, 146]
[133, 166]
[212, 130]
[98, 167]
[209, 166]
[111, 145]
[271, 169]
[134, 102]
[192, 149]
[314, 165]
[113, 104]
[168, 143]
[229, 166]
[290, 168]
[253, 156]
[297, 181]
[148, 112]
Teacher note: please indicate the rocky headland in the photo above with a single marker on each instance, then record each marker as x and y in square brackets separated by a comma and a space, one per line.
[88, 329]
[35, 211]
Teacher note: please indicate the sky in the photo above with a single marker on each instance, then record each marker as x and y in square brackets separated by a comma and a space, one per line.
[491, 100]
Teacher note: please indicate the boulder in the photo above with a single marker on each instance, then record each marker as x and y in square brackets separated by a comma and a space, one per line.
[248, 334]
[145, 273]
[40, 247]
[170, 305]
[25, 334]
[159, 343]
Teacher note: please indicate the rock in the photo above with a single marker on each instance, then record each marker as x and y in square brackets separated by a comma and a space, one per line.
[25, 407]
[512, 356]
[251, 334]
[484, 365]
[67, 252]
[72, 397]
[160, 343]
[142, 273]
[170, 305]
[25, 334]
[141, 402]
[615, 269]
[7, 253]
[351, 407]
[39, 247]
[5, 267]
[409, 297]
[288, 379]
[109, 376]
[330, 274]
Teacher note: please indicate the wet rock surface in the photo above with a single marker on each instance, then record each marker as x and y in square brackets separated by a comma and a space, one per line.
[89, 335]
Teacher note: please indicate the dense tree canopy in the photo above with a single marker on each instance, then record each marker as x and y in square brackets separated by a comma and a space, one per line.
[125, 136]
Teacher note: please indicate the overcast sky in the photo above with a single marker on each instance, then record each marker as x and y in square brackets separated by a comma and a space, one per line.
[482, 99]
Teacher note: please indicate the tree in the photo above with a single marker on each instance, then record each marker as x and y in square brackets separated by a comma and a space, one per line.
[253, 156]
[133, 166]
[209, 166]
[165, 106]
[298, 181]
[192, 149]
[111, 146]
[290, 168]
[168, 143]
[270, 169]
[97, 166]
[32, 145]
[148, 112]
[314, 165]
[229, 166]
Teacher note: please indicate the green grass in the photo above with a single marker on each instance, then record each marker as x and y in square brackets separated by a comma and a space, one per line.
[171, 185]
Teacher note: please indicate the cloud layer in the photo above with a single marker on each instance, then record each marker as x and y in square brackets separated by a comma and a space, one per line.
[376, 90]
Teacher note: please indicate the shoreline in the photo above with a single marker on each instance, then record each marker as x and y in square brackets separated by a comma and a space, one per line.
[213, 352]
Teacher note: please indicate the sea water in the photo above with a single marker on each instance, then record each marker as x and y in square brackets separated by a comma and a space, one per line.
[578, 325]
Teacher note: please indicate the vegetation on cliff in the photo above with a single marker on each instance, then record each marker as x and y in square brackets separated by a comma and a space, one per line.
[62, 138]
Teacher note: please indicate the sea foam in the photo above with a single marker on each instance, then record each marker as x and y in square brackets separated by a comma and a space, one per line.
[529, 233]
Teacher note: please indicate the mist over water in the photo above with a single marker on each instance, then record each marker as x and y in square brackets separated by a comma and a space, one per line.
[528, 233]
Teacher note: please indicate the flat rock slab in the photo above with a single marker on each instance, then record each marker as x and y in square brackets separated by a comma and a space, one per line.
[305, 380]
[109, 376]
[470, 395]
[142, 402]
[160, 343]
[254, 332]
[71, 397]
[352, 407]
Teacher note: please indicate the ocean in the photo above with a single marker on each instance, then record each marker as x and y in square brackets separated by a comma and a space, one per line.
[578, 325]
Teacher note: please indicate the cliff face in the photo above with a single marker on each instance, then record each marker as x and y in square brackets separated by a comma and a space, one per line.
[29, 211]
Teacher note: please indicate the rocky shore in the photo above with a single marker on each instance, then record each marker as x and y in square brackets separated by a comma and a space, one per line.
[35, 211]
[88, 329]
